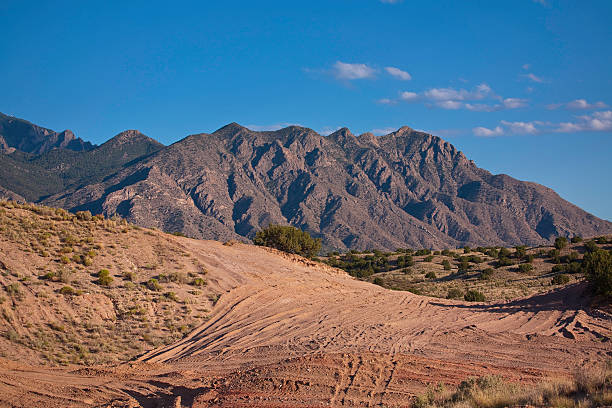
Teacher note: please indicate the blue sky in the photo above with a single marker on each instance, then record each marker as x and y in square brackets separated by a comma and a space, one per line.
[523, 87]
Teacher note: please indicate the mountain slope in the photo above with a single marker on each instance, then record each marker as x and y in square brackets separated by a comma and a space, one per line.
[24, 136]
[405, 188]
[37, 176]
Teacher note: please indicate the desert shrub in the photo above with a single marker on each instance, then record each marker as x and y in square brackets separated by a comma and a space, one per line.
[172, 296]
[104, 277]
[428, 258]
[473, 295]
[560, 243]
[558, 268]
[14, 289]
[464, 265]
[597, 266]
[83, 215]
[529, 258]
[288, 239]
[430, 275]
[475, 259]
[422, 252]
[574, 267]
[504, 253]
[48, 276]
[504, 262]
[128, 276]
[69, 291]
[591, 246]
[560, 279]
[454, 293]
[486, 274]
[65, 260]
[446, 252]
[177, 277]
[493, 253]
[437, 252]
[77, 258]
[91, 253]
[525, 268]
[66, 250]
[601, 240]
[446, 264]
[520, 251]
[575, 239]
[378, 281]
[198, 282]
[467, 249]
[87, 261]
[404, 261]
[153, 284]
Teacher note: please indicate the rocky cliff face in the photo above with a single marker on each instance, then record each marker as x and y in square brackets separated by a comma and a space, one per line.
[407, 188]
[18, 134]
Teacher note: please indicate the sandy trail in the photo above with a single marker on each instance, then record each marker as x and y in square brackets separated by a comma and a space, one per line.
[288, 332]
[285, 308]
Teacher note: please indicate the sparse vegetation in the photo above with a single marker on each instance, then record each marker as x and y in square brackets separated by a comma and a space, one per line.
[288, 239]
[104, 277]
[474, 296]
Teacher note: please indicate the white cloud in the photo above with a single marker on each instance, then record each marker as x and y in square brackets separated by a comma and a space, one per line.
[328, 130]
[391, 1]
[446, 94]
[521, 127]
[533, 77]
[595, 122]
[486, 132]
[383, 131]
[387, 101]
[577, 104]
[275, 126]
[583, 104]
[449, 105]
[409, 96]
[514, 103]
[398, 73]
[481, 107]
[526, 66]
[343, 70]
[542, 2]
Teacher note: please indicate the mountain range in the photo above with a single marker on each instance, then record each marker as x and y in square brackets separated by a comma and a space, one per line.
[407, 188]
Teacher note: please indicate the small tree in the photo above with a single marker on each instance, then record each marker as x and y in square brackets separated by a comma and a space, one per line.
[446, 264]
[560, 243]
[104, 277]
[474, 296]
[597, 266]
[288, 239]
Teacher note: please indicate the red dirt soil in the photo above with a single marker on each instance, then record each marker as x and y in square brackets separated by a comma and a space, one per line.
[287, 332]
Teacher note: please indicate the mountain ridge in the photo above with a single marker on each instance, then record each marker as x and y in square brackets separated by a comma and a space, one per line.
[406, 188]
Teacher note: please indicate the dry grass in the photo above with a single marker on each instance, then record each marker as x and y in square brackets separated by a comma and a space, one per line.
[589, 387]
[53, 308]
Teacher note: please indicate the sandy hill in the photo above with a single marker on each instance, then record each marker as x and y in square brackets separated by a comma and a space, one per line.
[238, 325]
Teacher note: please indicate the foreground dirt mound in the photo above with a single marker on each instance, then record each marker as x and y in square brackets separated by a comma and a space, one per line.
[284, 331]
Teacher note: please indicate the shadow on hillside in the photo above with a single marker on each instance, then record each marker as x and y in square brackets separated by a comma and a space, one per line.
[571, 297]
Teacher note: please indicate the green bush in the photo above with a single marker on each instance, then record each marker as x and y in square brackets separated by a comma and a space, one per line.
[474, 296]
[378, 281]
[525, 268]
[428, 258]
[69, 291]
[597, 266]
[560, 243]
[288, 239]
[446, 264]
[504, 262]
[430, 275]
[520, 251]
[486, 274]
[153, 284]
[454, 293]
[560, 279]
[422, 252]
[576, 239]
[104, 277]
[198, 282]
[591, 246]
